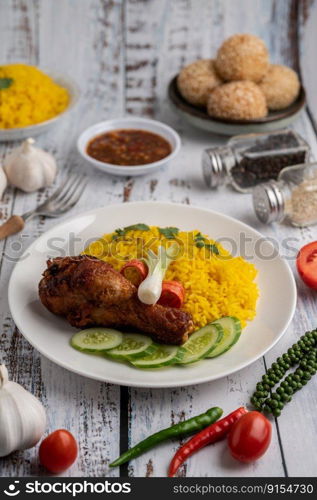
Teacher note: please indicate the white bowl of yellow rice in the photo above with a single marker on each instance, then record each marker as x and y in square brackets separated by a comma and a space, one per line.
[32, 101]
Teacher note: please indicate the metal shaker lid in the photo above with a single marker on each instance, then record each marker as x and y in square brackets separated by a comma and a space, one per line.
[268, 202]
[214, 162]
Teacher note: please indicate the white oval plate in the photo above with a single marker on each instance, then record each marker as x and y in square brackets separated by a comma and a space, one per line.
[50, 335]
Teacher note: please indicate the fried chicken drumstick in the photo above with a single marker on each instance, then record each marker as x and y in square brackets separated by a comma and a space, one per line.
[89, 292]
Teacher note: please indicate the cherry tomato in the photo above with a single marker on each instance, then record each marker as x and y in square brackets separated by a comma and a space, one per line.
[250, 437]
[58, 451]
[307, 264]
[172, 295]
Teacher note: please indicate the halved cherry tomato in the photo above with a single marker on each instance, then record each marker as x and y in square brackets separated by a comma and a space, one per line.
[135, 271]
[250, 437]
[307, 264]
[58, 451]
[172, 295]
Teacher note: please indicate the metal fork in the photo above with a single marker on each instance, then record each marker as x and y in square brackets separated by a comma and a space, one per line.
[62, 200]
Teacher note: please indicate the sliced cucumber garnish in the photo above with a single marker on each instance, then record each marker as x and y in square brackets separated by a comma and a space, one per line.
[133, 346]
[163, 355]
[96, 339]
[231, 332]
[201, 343]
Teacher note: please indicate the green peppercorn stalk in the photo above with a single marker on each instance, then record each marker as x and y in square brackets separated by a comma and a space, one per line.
[303, 354]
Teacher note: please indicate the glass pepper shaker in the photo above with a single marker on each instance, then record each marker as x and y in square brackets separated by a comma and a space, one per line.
[293, 197]
[248, 160]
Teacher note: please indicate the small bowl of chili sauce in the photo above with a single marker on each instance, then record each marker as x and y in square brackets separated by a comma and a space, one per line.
[129, 146]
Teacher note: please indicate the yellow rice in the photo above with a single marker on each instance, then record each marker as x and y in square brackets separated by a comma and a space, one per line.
[32, 97]
[215, 285]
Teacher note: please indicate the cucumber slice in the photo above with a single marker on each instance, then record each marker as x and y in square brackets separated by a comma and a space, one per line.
[96, 339]
[232, 331]
[201, 343]
[133, 346]
[163, 355]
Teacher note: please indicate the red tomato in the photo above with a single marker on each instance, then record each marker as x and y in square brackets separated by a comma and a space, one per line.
[307, 264]
[135, 271]
[172, 295]
[58, 451]
[250, 437]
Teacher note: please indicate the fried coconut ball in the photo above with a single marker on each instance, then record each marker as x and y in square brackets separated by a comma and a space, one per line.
[242, 57]
[237, 101]
[280, 86]
[197, 80]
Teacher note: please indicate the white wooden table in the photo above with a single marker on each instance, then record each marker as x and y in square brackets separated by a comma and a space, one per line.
[123, 54]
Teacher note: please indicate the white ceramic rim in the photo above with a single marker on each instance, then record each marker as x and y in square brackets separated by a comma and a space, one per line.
[123, 381]
[127, 169]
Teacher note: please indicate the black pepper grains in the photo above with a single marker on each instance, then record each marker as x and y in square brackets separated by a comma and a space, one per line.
[249, 160]
[303, 354]
[265, 160]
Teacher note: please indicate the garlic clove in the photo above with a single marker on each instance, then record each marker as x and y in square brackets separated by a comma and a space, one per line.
[3, 182]
[26, 145]
[4, 376]
[22, 416]
[30, 168]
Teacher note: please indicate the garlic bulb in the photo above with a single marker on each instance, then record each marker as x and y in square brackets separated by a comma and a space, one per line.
[30, 168]
[3, 182]
[22, 416]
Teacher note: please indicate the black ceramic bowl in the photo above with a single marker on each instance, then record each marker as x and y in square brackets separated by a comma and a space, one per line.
[198, 116]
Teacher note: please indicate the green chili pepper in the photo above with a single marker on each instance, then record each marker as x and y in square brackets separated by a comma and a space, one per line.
[182, 429]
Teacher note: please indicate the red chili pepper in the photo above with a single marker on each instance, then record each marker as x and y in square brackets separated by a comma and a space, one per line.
[135, 271]
[172, 295]
[209, 435]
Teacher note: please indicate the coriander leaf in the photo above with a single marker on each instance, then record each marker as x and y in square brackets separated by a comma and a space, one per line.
[199, 237]
[212, 248]
[200, 244]
[137, 227]
[5, 83]
[169, 232]
[118, 233]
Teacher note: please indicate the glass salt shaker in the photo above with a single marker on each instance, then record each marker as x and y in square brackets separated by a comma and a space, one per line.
[248, 160]
[293, 197]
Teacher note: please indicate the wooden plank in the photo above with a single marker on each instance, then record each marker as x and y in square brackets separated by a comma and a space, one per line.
[20, 29]
[93, 40]
[299, 456]
[307, 50]
[300, 459]
[183, 41]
